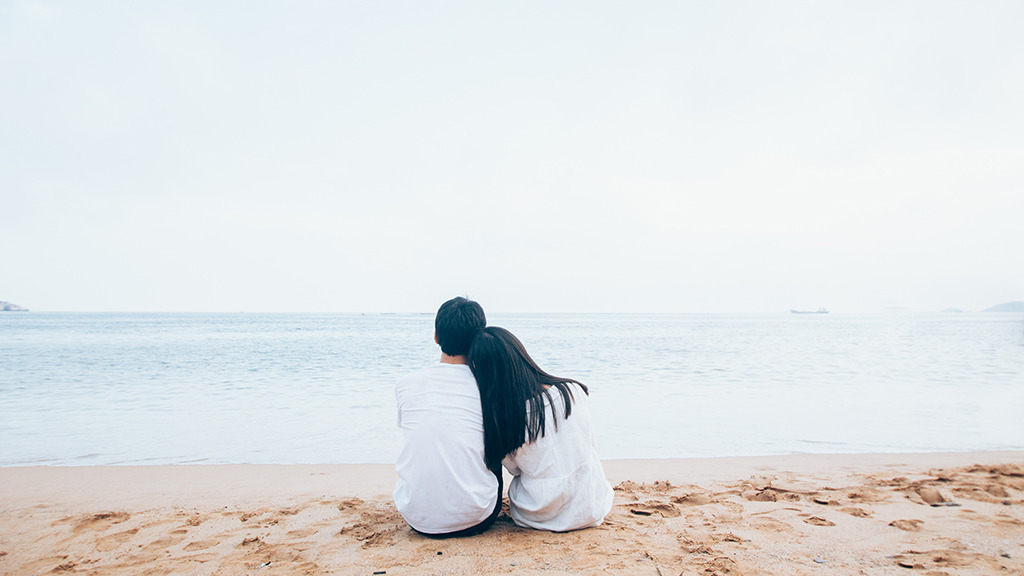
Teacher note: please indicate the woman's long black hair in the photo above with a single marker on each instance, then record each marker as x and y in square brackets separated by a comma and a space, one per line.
[512, 393]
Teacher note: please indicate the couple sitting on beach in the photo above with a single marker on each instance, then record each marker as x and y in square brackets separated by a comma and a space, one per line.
[487, 403]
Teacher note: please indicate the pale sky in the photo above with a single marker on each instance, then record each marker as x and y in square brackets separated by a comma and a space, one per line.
[585, 156]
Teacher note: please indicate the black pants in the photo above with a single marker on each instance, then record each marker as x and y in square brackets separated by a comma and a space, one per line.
[474, 530]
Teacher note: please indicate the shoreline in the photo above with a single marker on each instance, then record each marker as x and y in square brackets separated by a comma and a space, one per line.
[166, 483]
[944, 513]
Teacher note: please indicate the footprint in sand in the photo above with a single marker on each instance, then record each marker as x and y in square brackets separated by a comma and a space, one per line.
[377, 524]
[248, 515]
[302, 533]
[1005, 520]
[771, 525]
[164, 543]
[997, 491]
[200, 545]
[947, 559]
[931, 496]
[695, 499]
[115, 540]
[350, 504]
[818, 521]
[856, 511]
[627, 486]
[766, 495]
[369, 534]
[97, 522]
[51, 563]
[1013, 470]
[652, 507]
[720, 565]
[866, 495]
[696, 547]
[907, 525]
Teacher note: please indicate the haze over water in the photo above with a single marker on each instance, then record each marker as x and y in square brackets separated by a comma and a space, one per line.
[656, 156]
[109, 388]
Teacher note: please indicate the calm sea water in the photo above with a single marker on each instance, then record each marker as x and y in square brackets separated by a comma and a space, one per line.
[87, 389]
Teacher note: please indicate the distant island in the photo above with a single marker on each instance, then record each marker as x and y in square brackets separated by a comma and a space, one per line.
[1007, 307]
[9, 307]
[821, 310]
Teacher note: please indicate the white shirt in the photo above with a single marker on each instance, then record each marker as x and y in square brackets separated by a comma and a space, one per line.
[443, 483]
[559, 482]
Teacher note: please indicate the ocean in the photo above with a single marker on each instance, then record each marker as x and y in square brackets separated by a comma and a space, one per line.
[163, 388]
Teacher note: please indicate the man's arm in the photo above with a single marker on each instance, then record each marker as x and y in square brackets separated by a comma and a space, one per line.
[511, 466]
[398, 401]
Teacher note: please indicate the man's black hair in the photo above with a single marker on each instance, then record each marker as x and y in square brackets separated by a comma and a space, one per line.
[457, 321]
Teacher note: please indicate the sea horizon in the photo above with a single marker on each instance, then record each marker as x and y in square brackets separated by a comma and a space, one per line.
[111, 388]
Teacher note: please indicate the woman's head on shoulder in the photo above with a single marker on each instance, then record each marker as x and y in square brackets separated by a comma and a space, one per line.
[493, 342]
[496, 356]
[513, 391]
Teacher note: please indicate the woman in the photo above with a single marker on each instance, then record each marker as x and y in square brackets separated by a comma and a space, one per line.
[538, 426]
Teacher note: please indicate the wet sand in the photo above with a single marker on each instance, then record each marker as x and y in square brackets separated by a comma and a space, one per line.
[874, 514]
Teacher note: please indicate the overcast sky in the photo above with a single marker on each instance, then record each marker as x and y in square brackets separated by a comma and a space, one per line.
[536, 156]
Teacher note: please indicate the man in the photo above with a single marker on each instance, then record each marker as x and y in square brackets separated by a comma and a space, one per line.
[444, 487]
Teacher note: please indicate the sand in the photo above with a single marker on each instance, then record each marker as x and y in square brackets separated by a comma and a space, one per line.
[960, 513]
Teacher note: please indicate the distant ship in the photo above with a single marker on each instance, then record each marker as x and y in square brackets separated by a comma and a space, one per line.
[818, 311]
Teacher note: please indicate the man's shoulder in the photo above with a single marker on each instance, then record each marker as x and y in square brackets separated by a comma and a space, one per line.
[450, 381]
[438, 372]
[419, 373]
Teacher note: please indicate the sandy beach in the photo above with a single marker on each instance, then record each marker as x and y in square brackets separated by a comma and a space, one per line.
[954, 513]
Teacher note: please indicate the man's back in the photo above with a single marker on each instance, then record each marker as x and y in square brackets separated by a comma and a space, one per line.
[444, 485]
